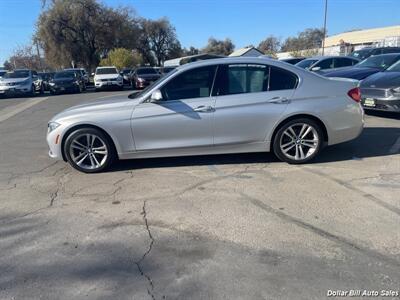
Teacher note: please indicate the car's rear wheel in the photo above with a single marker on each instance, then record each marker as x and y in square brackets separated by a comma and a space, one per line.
[89, 150]
[298, 141]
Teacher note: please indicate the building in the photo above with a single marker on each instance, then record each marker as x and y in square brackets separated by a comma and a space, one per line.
[383, 36]
[188, 59]
[247, 51]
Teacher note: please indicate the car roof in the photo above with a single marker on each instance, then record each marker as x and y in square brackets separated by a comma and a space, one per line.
[106, 67]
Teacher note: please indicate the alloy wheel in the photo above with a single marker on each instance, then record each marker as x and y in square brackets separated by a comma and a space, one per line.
[88, 151]
[299, 141]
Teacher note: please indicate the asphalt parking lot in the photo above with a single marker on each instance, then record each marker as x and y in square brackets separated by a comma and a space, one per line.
[213, 227]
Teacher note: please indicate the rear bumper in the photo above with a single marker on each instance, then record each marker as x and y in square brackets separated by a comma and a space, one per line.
[390, 105]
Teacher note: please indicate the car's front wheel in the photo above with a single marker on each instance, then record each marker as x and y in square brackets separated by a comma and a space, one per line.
[298, 141]
[89, 150]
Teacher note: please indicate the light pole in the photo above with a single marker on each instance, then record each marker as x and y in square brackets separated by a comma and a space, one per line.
[323, 39]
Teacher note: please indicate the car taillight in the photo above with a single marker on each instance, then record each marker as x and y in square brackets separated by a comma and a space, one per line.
[355, 94]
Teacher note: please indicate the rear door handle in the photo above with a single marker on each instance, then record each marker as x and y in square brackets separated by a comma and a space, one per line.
[279, 100]
[203, 108]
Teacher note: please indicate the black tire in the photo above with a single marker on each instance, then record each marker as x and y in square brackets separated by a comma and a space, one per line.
[111, 156]
[32, 92]
[41, 89]
[279, 139]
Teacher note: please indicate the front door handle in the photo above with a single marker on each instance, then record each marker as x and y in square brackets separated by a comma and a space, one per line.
[203, 108]
[279, 100]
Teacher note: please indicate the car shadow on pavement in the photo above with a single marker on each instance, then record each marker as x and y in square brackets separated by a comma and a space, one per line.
[373, 142]
[383, 114]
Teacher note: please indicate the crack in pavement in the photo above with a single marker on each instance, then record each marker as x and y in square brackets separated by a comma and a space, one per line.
[319, 231]
[347, 185]
[150, 290]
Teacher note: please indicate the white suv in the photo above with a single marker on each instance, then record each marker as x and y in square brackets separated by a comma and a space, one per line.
[108, 77]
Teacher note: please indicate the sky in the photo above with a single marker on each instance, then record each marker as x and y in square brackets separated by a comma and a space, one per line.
[244, 21]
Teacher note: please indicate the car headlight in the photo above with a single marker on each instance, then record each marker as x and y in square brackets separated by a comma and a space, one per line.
[396, 90]
[52, 83]
[140, 79]
[51, 126]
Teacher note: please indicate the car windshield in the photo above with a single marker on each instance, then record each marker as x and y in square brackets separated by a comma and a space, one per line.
[361, 54]
[146, 71]
[17, 74]
[144, 91]
[394, 68]
[306, 63]
[126, 71]
[64, 75]
[103, 71]
[379, 61]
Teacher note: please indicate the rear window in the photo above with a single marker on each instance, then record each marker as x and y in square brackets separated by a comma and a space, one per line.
[306, 63]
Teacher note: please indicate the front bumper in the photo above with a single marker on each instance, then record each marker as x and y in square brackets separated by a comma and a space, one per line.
[108, 84]
[54, 139]
[15, 89]
[63, 88]
[381, 104]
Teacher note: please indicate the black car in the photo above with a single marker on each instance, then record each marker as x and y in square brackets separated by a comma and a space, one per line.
[367, 52]
[67, 81]
[46, 78]
[293, 60]
[381, 91]
[367, 67]
[125, 73]
[143, 76]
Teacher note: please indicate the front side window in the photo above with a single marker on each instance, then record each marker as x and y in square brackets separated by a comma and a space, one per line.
[325, 64]
[343, 62]
[195, 83]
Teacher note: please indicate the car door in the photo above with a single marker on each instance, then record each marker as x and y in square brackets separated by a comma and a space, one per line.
[250, 98]
[341, 62]
[182, 119]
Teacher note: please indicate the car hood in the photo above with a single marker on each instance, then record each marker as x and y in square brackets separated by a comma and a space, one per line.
[383, 80]
[107, 76]
[12, 80]
[352, 72]
[149, 76]
[60, 80]
[101, 105]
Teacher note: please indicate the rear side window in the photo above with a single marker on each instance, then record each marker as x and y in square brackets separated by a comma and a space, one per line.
[391, 50]
[195, 83]
[252, 78]
[280, 79]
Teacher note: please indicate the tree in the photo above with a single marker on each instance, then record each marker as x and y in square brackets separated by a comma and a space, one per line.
[308, 39]
[122, 58]
[270, 46]
[25, 57]
[158, 41]
[191, 51]
[84, 30]
[219, 47]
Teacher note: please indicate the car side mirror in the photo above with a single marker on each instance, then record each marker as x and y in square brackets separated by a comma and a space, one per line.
[156, 96]
[315, 69]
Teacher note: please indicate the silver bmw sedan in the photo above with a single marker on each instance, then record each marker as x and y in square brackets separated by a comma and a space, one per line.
[226, 105]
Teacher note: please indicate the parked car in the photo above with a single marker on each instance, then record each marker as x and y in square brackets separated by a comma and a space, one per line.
[229, 105]
[46, 78]
[166, 70]
[125, 73]
[367, 52]
[293, 60]
[83, 74]
[67, 81]
[2, 72]
[381, 91]
[367, 67]
[108, 77]
[21, 81]
[322, 63]
[143, 76]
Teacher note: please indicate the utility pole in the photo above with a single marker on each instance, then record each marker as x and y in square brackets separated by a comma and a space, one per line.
[323, 40]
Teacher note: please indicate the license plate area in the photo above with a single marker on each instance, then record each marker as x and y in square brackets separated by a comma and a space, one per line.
[369, 102]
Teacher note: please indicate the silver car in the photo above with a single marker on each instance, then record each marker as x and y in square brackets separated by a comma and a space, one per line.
[21, 81]
[227, 105]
